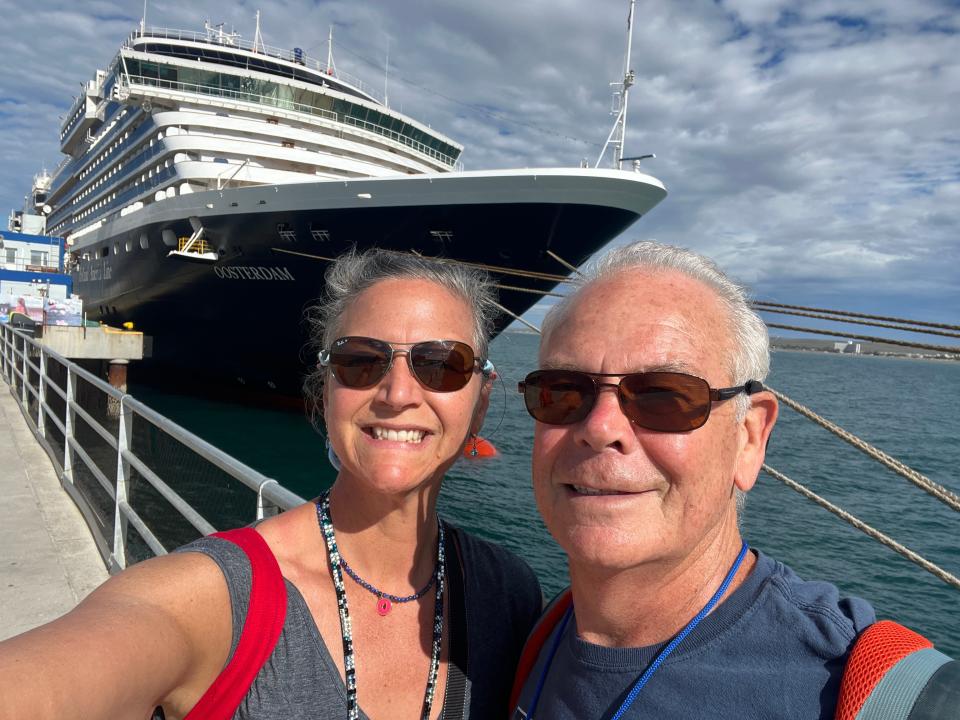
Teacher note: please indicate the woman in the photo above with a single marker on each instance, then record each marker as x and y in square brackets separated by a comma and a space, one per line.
[390, 613]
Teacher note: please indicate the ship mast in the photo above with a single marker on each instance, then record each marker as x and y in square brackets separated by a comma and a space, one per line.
[619, 130]
[257, 38]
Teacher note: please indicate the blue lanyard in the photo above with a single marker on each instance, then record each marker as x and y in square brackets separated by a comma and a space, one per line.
[657, 661]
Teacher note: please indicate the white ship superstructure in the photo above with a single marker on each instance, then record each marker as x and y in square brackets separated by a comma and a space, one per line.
[179, 112]
[208, 181]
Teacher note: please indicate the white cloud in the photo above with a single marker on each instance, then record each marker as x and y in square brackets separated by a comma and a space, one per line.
[812, 148]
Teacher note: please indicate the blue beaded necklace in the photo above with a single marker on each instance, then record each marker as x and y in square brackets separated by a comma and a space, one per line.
[657, 661]
[346, 629]
[385, 600]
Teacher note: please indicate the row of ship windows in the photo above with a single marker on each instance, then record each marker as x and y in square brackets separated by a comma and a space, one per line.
[105, 250]
[278, 95]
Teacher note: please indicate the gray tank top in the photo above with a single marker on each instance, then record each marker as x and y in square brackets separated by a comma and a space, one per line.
[300, 680]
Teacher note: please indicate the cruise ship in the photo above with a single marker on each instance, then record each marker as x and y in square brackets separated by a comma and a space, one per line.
[208, 180]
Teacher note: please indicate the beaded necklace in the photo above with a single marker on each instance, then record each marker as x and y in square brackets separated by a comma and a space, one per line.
[346, 630]
[385, 600]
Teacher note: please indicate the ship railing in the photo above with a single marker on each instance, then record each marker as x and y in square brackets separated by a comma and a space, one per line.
[397, 137]
[240, 95]
[125, 465]
[230, 40]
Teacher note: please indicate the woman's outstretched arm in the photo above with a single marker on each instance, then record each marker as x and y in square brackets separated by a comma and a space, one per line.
[157, 633]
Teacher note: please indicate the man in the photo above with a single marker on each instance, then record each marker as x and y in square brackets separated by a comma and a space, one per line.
[652, 423]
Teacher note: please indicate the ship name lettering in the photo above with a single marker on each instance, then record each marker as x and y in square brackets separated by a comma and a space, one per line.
[249, 272]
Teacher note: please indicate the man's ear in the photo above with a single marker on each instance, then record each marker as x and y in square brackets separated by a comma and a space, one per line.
[755, 431]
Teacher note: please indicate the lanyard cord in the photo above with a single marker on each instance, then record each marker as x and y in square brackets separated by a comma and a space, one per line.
[349, 666]
[657, 661]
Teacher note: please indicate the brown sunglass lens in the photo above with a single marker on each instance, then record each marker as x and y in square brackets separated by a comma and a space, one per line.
[669, 402]
[359, 363]
[442, 366]
[558, 397]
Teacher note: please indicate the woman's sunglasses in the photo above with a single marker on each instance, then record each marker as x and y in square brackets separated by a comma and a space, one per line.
[664, 401]
[438, 365]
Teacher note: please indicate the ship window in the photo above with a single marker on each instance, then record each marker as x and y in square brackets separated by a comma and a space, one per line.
[11, 255]
[104, 251]
[320, 235]
[129, 246]
[144, 243]
[116, 248]
[38, 258]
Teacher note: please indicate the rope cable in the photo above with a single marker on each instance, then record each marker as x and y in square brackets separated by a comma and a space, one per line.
[904, 328]
[859, 315]
[921, 481]
[871, 338]
[867, 529]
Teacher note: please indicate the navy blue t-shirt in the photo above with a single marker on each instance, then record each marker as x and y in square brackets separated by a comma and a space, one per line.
[775, 648]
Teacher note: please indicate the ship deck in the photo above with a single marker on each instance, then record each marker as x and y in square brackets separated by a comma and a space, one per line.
[48, 559]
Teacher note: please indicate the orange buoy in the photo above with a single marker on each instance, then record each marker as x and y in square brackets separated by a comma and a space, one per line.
[479, 448]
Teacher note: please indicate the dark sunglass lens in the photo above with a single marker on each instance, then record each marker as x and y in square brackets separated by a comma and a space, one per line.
[559, 397]
[669, 402]
[359, 362]
[443, 366]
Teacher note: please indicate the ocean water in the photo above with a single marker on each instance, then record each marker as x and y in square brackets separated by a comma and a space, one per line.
[906, 407]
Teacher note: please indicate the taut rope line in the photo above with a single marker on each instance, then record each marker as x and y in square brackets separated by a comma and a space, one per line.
[904, 328]
[921, 481]
[863, 527]
[859, 315]
[870, 338]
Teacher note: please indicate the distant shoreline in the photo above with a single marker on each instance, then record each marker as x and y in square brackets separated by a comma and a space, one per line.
[829, 347]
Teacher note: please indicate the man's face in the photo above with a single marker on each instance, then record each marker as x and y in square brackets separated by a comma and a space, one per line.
[665, 495]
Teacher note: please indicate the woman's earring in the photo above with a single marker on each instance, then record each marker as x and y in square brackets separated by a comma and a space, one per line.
[473, 450]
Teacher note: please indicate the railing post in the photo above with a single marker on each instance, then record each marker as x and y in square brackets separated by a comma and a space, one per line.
[68, 428]
[24, 397]
[124, 438]
[42, 396]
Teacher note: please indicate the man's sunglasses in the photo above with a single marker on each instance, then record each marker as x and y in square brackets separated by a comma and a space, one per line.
[438, 365]
[664, 401]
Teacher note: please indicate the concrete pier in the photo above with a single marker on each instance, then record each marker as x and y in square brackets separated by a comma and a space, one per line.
[48, 560]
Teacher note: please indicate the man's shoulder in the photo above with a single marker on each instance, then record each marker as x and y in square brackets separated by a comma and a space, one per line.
[815, 609]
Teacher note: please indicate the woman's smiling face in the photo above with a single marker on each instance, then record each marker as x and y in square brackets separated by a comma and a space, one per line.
[397, 435]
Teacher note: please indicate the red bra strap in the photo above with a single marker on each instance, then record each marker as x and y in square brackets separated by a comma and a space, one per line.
[261, 630]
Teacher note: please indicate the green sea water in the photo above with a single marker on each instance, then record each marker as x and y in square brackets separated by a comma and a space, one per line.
[906, 407]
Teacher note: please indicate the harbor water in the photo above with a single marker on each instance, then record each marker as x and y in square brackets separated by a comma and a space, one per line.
[904, 406]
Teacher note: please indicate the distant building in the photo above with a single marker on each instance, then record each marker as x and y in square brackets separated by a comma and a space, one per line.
[32, 266]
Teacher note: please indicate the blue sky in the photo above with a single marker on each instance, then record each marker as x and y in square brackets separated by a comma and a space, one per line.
[811, 148]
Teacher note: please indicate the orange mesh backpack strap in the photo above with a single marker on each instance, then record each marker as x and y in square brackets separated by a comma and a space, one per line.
[895, 674]
[549, 620]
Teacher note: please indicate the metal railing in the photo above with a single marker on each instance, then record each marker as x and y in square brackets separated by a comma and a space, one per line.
[135, 82]
[126, 465]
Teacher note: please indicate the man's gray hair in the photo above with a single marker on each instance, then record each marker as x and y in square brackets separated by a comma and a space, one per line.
[354, 272]
[750, 344]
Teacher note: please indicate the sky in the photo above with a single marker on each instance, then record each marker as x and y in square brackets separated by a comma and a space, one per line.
[811, 148]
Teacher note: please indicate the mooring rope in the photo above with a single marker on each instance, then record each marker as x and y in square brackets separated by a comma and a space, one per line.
[863, 527]
[818, 316]
[859, 315]
[870, 338]
[921, 481]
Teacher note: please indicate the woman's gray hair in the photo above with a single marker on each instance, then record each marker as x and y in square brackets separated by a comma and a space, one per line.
[750, 344]
[354, 272]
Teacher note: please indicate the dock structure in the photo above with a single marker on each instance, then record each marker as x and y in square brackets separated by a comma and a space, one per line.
[48, 558]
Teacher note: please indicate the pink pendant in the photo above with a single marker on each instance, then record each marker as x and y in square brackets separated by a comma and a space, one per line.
[383, 606]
